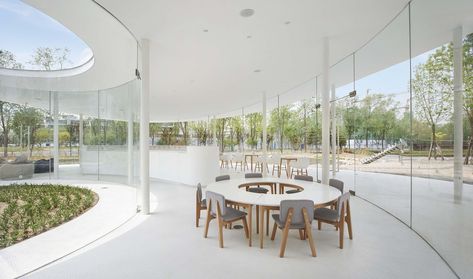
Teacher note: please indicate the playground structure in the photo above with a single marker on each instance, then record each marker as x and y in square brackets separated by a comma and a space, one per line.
[389, 150]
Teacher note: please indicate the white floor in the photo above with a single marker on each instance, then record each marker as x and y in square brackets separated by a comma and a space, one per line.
[166, 244]
[116, 205]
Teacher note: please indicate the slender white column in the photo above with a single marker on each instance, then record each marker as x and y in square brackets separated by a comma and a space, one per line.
[81, 134]
[458, 113]
[243, 129]
[144, 128]
[56, 134]
[333, 108]
[214, 131]
[325, 114]
[130, 135]
[263, 144]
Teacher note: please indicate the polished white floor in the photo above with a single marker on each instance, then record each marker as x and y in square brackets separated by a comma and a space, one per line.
[166, 244]
[116, 205]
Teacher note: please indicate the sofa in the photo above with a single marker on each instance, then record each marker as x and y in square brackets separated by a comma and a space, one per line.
[20, 168]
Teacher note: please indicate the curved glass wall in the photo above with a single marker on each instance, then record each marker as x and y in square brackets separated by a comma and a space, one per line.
[395, 138]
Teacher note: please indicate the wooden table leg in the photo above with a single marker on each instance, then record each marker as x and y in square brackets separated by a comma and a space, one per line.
[288, 167]
[280, 166]
[261, 222]
[250, 222]
[251, 160]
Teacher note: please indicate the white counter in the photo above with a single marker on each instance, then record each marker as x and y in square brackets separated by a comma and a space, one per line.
[190, 165]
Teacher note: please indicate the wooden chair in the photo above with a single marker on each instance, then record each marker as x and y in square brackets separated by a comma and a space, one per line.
[300, 166]
[336, 217]
[200, 204]
[216, 209]
[300, 177]
[222, 177]
[257, 189]
[276, 161]
[259, 164]
[225, 160]
[239, 159]
[298, 215]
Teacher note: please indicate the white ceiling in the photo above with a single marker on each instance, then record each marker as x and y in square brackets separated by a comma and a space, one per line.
[196, 73]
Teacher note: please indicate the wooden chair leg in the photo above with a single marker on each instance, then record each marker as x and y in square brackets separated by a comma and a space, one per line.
[267, 222]
[319, 225]
[220, 232]
[308, 231]
[301, 234]
[285, 232]
[257, 219]
[273, 234]
[207, 221]
[197, 216]
[348, 220]
[341, 226]
[245, 226]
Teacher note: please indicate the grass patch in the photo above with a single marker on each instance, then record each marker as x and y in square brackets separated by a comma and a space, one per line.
[30, 209]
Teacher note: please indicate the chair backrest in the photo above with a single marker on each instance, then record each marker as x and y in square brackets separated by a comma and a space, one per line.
[304, 177]
[341, 202]
[253, 175]
[238, 157]
[275, 158]
[303, 162]
[212, 199]
[222, 177]
[199, 193]
[336, 184]
[297, 205]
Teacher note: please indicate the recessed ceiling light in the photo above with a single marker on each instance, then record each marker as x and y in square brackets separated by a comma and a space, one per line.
[248, 37]
[287, 22]
[206, 30]
[257, 71]
[247, 12]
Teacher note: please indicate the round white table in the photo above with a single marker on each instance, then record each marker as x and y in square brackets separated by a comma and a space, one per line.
[234, 191]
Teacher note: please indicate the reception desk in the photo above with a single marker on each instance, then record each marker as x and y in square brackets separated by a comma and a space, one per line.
[183, 164]
[188, 165]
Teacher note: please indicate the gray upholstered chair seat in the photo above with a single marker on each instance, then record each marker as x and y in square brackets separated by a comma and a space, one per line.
[231, 214]
[293, 191]
[258, 190]
[281, 224]
[326, 214]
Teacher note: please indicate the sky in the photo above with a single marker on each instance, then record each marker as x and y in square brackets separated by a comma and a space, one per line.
[24, 28]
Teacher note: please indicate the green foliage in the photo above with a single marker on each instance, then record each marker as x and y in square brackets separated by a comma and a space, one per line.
[8, 60]
[29, 209]
[46, 58]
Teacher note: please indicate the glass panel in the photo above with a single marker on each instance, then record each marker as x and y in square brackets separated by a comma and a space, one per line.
[443, 220]
[382, 120]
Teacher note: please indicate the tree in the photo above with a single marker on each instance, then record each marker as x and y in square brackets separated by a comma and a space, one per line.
[7, 110]
[46, 58]
[8, 60]
[73, 131]
[28, 117]
[183, 127]
[255, 128]
[200, 130]
[468, 87]
[432, 91]
[154, 129]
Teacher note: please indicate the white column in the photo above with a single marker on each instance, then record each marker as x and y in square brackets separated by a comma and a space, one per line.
[334, 132]
[144, 129]
[56, 134]
[81, 134]
[130, 136]
[263, 144]
[458, 113]
[243, 129]
[214, 131]
[325, 114]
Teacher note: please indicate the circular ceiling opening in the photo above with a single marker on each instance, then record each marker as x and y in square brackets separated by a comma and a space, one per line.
[35, 41]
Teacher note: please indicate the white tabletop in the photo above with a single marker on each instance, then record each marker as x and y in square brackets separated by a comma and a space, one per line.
[319, 193]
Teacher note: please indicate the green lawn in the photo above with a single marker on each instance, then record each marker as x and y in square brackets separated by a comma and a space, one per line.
[28, 209]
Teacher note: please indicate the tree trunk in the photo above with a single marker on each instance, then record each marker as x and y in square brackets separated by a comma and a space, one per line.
[433, 143]
[468, 151]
